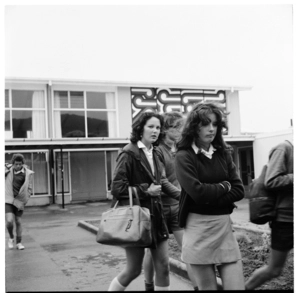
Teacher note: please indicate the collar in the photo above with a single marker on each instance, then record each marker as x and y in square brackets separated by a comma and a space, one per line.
[204, 152]
[142, 146]
[21, 171]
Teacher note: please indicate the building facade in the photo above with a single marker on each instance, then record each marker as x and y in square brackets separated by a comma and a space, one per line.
[70, 131]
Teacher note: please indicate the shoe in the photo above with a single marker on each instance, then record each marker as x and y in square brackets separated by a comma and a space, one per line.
[10, 243]
[20, 246]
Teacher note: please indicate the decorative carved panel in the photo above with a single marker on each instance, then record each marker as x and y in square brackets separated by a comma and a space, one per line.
[171, 99]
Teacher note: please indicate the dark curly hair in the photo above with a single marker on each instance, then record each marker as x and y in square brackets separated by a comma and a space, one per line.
[18, 158]
[138, 127]
[199, 115]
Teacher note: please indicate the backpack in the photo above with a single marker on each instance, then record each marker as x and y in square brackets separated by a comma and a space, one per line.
[262, 202]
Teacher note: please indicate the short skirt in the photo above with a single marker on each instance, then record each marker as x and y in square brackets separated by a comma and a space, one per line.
[209, 239]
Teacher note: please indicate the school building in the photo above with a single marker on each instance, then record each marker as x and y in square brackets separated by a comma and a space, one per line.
[70, 131]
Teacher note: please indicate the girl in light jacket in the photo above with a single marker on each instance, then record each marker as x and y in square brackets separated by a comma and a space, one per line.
[18, 189]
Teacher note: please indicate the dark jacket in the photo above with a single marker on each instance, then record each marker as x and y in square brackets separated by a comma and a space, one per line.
[167, 157]
[280, 179]
[133, 169]
[199, 178]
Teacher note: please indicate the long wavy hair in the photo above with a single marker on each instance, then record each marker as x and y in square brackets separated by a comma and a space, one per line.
[138, 127]
[199, 116]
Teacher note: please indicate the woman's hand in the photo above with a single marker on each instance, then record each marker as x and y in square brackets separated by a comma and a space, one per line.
[154, 190]
[226, 185]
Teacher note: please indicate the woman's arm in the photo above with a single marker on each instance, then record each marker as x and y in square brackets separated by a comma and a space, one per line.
[277, 176]
[187, 175]
[237, 191]
[121, 177]
[167, 187]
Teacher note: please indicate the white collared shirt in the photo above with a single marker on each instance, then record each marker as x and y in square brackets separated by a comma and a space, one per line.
[21, 171]
[204, 152]
[148, 153]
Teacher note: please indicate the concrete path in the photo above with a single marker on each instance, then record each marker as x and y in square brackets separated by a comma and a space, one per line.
[61, 256]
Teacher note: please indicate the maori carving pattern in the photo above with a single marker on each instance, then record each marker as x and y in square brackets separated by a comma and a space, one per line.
[171, 99]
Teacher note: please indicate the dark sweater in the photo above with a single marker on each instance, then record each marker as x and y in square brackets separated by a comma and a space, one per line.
[280, 180]
[199, 178]
[18, 181]
[167, 157]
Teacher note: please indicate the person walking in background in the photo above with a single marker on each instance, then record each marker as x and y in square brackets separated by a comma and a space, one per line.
[139, 166]
[173, 123]
[210, 186]
[18, 189]
[280, 180]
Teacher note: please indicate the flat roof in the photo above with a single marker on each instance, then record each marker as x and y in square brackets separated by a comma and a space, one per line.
[53, 81]
[100, 140]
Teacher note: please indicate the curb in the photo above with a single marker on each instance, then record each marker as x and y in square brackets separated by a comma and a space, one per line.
[255, 230]
[176, 266]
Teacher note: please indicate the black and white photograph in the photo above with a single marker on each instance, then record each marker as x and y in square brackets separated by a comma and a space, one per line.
[149, 146]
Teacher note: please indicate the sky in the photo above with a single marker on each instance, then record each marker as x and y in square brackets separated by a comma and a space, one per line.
[235, 45]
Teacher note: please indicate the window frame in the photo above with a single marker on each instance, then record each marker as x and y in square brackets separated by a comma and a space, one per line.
[11, 109]
[84, 89]
[68, 151]
[48, 170]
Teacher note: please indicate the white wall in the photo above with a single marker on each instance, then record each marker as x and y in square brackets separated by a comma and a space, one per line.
[124, 112]
[233, 107]
[263, 144]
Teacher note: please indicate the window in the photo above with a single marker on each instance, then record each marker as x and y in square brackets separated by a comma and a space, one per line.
[84, 114]
[25, 114]
[37, 162]
[62, 169]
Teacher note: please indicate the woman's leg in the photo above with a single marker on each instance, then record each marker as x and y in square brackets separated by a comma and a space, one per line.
[148, 270]
[205, 276]
[232, 276]
[134, 258]
[178, 237]
[272, 270]
[160, 258]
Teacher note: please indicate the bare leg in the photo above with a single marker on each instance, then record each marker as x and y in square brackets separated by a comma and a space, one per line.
[134, 258]
[18, 229]
[9, 219]
[272, 270]
[178, 237]
[232, 276]
[148, 270]
[160, 258]
[205, 276]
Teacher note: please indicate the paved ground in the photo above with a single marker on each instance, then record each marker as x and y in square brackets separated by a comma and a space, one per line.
[61, 256]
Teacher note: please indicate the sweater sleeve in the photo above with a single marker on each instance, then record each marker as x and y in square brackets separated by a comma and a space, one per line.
[186, 172]
[168, 187]
[121, 176]
[277, 177]
[237, 190]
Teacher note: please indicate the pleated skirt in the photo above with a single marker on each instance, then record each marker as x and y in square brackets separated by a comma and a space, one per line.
[209, 239]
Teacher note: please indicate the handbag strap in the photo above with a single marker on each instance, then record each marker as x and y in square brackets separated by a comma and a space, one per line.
[133, 188]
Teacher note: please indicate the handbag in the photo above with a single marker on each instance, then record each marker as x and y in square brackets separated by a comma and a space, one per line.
[126, 226]
[262, 202]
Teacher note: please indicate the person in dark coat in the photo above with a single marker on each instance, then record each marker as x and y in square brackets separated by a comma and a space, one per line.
[210, 185]
[279, 180]
[139, 166]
